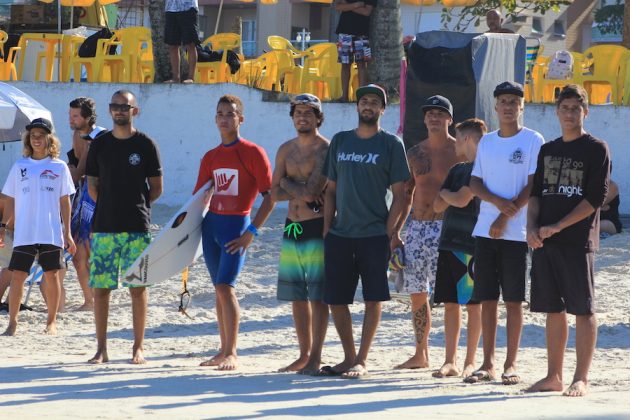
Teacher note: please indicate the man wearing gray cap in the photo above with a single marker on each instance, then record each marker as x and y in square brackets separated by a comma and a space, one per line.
[502, 179]
[366, 169]
[429, 162]
[297, 178]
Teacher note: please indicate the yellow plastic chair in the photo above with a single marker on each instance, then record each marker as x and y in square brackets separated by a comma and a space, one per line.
[606, 66]
[8, 71]
[290, 72]
[321, 75]
[51, 41]
[546, 88]
[250, 73]
[533, 49]
[133, 57]
[217, 71]
[93, 65]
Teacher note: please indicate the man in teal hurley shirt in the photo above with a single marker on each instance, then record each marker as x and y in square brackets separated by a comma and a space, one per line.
[366, 169]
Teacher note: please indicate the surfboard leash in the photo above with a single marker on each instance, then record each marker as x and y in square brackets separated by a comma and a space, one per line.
[184, 296]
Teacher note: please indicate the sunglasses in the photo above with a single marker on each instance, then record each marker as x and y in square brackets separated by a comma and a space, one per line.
[120, 107]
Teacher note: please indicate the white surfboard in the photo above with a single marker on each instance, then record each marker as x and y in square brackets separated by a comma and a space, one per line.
[175, 247]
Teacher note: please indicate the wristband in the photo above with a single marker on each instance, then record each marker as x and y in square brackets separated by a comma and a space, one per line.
[252, 229]
[3, 225]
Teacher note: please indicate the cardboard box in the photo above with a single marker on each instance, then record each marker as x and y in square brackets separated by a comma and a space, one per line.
[30, 14]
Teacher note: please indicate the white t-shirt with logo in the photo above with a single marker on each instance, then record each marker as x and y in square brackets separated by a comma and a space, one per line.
[504, 163]
[37, 186]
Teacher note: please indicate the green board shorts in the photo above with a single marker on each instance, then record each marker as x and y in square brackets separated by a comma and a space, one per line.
[112, 254]
[301, 272]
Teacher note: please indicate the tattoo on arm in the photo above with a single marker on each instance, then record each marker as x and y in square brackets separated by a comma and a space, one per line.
[316, 181]
[420, 321]
[421, 161]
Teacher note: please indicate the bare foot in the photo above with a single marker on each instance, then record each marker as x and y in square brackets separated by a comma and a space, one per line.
[577, 389]
[415, 362]
[447, 369]
[51, 329]
[228, 363]
[87, 306]
[547, 384]
[468, 370]
[137, 357]
[295, 366]
[214, 361]
[11, 329]
[99, 357]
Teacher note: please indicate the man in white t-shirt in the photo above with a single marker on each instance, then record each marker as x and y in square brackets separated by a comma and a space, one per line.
[38, 190]
[502, 179]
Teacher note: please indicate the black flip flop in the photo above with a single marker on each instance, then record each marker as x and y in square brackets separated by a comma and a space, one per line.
[328, 371]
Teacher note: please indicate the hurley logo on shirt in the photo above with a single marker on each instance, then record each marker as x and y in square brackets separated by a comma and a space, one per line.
[23, 173]
[517, 156]
[356, 157]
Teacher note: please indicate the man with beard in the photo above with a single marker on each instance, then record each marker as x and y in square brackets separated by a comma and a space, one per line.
[366, 169]
[124, 177]
[298, 178]
[82, 116]
[429, 162]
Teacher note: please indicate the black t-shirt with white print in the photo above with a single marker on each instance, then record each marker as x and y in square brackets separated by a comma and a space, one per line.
[122, 167]
[567, 173]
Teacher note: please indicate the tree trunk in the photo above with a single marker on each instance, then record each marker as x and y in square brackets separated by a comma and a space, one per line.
[626, 25]
[386, 44]
[160, 51]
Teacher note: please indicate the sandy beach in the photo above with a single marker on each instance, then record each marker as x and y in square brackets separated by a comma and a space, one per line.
[43, 376]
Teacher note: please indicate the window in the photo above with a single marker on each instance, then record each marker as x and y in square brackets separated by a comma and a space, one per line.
[537, 25]
[249, 38]
[558, 28]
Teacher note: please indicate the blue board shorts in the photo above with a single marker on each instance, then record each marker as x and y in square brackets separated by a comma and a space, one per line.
[216, 231]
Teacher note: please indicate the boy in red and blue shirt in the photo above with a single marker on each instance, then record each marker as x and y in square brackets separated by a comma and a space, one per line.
[238, 170]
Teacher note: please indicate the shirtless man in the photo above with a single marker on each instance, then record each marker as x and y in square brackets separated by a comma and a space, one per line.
[82, 118]
[429, 162]
[298, 178]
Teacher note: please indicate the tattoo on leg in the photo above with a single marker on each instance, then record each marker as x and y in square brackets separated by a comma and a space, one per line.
[420, 323]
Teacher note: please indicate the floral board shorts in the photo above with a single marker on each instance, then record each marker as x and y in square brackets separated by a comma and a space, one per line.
[421, 255]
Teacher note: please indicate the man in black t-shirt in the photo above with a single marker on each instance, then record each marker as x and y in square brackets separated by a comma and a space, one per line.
[570, 184]
[124, 177]
[454, 278]
[353, 44]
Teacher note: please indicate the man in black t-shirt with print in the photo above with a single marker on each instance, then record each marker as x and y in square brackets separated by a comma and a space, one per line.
[124, 177]
[570, 184]
[353, 44]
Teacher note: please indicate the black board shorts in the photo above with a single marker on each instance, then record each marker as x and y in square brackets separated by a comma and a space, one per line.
[500, 269]
[347, 259]
[562, 280]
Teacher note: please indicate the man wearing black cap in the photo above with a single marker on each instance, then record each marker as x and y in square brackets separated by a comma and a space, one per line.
[429, 162]
[502, 178]
[298, 178]
[366, 169]
[37, 191]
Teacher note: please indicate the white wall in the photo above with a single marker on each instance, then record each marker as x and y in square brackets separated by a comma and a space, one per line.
[180, 119]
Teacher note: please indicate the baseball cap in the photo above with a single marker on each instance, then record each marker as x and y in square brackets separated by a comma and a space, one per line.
[438, 102]
[374, 89]
[307, 99]
[509, 88]
[41, 123]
